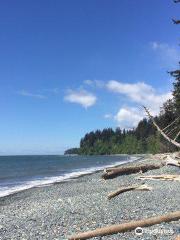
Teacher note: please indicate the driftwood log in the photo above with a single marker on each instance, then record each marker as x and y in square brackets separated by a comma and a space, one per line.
[110, 169]
[167, 177]
[175, 216]
[126, 189]
[173, 162]
[131, 170]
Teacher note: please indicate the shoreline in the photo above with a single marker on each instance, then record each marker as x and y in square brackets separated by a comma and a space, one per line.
[66, 208]
[69, 176]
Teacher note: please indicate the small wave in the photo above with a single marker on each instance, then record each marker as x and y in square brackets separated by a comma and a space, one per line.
[5, 191]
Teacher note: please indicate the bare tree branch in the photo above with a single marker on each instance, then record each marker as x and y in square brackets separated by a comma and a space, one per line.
[170, 124]
[177, 136]
[166, 132]
[161, 131]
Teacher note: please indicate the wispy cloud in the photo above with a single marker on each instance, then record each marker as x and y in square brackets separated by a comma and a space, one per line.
[168, 54]
[89, 82]
[107, 116]
[52, 90]
[80, 96]
[95, 83]
[27, 94]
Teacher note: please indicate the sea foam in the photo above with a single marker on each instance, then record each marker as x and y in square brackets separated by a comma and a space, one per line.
[5, 191]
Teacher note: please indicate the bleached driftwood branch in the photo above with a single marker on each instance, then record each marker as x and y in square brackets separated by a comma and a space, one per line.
[173, 162]
[173, 141]
[175, 216]
[167, 131]
[165, 177]
[126, 189]
[170, 123]
[177, 136]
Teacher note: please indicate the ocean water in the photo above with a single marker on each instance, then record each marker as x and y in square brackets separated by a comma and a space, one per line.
[18, 173]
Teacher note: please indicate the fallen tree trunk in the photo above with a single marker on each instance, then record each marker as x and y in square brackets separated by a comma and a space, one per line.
[131, 170]
[126, 189]
[110, 169]
[175, 216]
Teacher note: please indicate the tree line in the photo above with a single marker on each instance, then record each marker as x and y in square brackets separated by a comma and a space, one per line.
[143, 139]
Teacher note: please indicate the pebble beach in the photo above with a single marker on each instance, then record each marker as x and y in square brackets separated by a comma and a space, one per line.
[63, 209]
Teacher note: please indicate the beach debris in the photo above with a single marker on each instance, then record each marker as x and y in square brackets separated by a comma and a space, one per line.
[173, 162]
[69, 200]
[119, 171]
[114, 172]
[176, 155]
[175, 216]
[165, 177]
[60, 200]
[163, 156]
[126, 189]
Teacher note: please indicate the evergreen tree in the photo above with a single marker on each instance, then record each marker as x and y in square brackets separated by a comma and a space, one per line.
[176, 91]
[167, 113]
[176, 75]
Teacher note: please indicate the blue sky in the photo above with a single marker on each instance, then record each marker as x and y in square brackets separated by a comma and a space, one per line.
[68, 67]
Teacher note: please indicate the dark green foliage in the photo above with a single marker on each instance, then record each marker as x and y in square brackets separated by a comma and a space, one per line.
[71, 151]
[167, 113]
[176, 91]
[144, 139]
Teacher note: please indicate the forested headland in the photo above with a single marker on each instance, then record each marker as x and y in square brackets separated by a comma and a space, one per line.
[143, 139]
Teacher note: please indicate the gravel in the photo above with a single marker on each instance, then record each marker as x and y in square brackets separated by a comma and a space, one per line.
[63, 209]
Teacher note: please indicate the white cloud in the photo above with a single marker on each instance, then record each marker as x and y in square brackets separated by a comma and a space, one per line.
[81, 96]
[136, 95]
[154, 45]
[27, 94]
[140, 93]
[168, 54]
[129, 118]
[89, 82]
[107, 116]
[95, 83]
